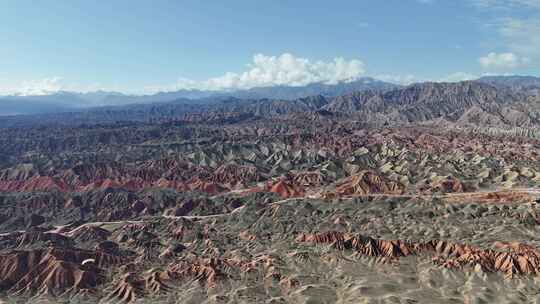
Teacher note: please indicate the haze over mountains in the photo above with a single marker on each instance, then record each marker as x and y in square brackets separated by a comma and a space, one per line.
[529, 84]
[488, 101]
[63, 101]
[73, 101]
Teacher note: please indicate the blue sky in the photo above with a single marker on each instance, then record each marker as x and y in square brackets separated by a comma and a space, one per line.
[142, 46]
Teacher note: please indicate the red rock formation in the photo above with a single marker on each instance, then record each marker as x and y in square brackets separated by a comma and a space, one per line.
[53, 276]
[16, 265]
[83, 174]
[309, 179]
[232, 175]
[52, 271]
[206, 271]
[521, 259]
[367, 182]
[208, 187]
[128, 289]
[156, 282]
[37, 183]
[286, 189]
[131, 286]
[102, 184]
[449, 185]
[364, 245]
[173, 184]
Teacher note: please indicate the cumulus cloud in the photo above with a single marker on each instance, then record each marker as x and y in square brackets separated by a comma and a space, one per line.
[502, 61]
[263, 71]
[34, 87]
[285, 70]
[47, 86]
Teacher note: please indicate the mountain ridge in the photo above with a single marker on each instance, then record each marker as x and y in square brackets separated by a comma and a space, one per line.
[468, 102]
[65, 101]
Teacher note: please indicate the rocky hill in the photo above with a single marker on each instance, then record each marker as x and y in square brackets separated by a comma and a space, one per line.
[525, 84]
[464, 103]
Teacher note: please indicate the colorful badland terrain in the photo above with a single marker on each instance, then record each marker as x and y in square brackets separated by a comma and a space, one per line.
[421, 194]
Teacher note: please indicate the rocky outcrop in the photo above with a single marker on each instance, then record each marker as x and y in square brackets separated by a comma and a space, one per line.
[368, 182]
[53, 271]
[519, 260]
[128, 289]
[286, 189]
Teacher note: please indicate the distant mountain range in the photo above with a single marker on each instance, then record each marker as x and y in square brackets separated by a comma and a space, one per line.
[525, 84]
[72, 101]
[491, 101]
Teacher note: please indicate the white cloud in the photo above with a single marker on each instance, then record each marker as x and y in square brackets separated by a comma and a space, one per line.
[410, 79]
[458, 76]
[33, 87]
[285, 69]
[398, 79]
[47, 86]
[502, 61]
[264, 71]
[363, 24]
